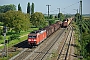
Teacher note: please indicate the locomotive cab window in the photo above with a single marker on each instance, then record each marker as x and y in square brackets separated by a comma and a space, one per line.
[32, 37]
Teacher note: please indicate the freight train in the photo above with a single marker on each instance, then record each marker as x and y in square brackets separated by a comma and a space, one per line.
[36, 37]
[66, 22]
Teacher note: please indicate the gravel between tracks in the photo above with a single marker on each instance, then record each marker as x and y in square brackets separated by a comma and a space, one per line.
[64, 51]
[56, 48]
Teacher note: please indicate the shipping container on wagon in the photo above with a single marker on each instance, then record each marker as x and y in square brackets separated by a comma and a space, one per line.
[69, 20]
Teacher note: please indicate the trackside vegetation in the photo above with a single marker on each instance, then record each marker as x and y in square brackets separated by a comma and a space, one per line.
[83, 42]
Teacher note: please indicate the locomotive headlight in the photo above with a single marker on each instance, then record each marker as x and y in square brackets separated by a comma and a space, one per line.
[34, 39]
[29, 39]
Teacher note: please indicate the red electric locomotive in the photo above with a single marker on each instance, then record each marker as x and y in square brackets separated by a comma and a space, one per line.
[34, 38]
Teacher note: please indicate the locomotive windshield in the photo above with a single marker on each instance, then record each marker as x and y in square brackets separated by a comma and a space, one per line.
[31, 36]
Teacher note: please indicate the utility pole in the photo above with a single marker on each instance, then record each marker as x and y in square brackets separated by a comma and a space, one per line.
[81, 30]
[81, 8]
[77, 10]
[48, 12]
[59, 12]
[77, 15]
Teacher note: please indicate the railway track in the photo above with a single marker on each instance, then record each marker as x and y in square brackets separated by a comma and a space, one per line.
[64, 51]
[24, 54]
[16, 49]
[41, 53]
[43, 49]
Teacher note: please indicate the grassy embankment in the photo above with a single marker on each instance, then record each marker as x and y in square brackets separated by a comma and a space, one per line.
[23, 36]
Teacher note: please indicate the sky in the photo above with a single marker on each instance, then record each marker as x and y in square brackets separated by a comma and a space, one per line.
[66, 6]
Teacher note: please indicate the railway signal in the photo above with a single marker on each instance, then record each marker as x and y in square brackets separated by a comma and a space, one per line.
[5, 53]
[4, 29]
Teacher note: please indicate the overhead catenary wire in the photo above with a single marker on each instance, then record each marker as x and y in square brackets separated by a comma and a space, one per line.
[71, 5]
[62, 9]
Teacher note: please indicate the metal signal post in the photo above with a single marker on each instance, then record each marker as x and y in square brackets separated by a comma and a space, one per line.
[48, 12]
[59, 12]
[76, 10]
[5, 53]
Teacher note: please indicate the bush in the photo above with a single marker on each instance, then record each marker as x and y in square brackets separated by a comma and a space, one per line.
[1, 37]
[51, 22]
[13, 37]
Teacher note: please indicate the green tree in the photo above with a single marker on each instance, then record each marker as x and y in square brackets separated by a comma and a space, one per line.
[17, 20]
[55, 17]
[46, 17]
[51, 22]
[51, 16]
[0, 30]
[38, 20]
[77, 17]
[61, 16]
[32, 8]
[6, 8]
[1, 37]
[1, 17]
[28, 8]
[67, 16]
[19, 7]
